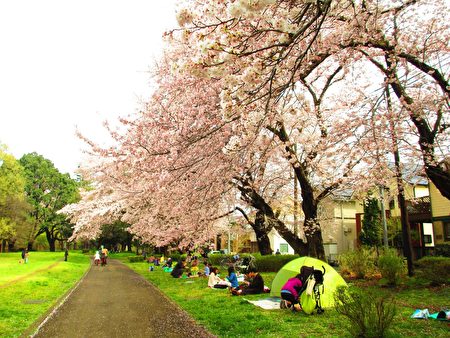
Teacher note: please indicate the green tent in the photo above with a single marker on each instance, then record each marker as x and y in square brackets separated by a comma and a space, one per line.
[331, 278]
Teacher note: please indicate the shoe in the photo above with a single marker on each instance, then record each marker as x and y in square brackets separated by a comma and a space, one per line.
[296, 308]
[282, 304]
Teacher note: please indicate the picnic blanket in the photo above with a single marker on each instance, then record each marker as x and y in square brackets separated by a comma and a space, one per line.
[270, 303]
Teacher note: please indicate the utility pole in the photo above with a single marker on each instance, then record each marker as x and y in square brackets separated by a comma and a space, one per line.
[383, 217]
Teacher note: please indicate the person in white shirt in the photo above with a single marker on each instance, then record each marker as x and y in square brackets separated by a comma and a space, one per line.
[214, 281]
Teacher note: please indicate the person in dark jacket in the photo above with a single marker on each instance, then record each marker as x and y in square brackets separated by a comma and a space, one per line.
[254, 284]
[178, 270]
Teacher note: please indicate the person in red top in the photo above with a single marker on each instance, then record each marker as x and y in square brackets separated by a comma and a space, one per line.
[290, 293]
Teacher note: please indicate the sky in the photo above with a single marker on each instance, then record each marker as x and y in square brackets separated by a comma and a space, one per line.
[72, 64]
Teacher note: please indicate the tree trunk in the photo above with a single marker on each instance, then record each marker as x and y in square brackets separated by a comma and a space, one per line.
[262, 234]
[251, 196]
[300, 247]
[311, 225]
[51, 240]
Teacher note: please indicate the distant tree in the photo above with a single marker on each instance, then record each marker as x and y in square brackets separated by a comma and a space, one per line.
[114, 234]
[371, 225]
[47, 191]
[14, 224]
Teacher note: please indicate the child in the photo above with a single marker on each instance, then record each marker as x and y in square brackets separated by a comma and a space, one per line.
[232, 278]
[207, 269]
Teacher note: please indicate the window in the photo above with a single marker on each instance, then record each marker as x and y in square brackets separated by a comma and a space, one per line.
[283, 248]
[427, 239]
[447, 230]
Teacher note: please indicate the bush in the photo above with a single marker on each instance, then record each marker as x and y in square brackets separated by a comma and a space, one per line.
[392, 266]
[434, 269]
[268, 263]
[272, 263]
[358, 262]
[369, 314]
[134, 259]
[442, 250]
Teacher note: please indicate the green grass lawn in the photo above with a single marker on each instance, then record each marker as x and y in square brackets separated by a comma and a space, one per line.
[231, 316]
[27, 291]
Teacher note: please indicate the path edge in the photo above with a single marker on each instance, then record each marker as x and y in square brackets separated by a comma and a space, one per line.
[34, 328]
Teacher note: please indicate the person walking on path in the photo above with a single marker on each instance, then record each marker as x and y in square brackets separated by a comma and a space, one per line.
[117, 302]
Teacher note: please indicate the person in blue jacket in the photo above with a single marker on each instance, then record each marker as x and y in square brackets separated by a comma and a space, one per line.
[232, 278]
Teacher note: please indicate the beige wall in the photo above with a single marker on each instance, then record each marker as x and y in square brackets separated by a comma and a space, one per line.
[440, 206]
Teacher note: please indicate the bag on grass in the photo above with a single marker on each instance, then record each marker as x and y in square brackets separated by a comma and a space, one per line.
[308, 303]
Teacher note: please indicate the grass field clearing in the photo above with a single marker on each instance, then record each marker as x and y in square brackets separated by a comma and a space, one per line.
[27, 291]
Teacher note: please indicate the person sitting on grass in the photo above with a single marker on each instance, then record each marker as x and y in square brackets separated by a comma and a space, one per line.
[290, 293]
[232, 278]
[254, 284]
[207, 269]
[214, 281]
[178, 270]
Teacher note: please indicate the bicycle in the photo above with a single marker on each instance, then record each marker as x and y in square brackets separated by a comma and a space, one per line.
[241, 265]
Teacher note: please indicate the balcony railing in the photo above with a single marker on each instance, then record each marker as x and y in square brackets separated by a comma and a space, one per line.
[419, 208]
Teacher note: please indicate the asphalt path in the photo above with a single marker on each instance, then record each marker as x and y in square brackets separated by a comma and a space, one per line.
[114, 301]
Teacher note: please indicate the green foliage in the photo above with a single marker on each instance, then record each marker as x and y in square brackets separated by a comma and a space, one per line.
[48, 191]
[371, 225]
[442, 250]
[369, 314]
[359, 262]
[434, 269]
[272, 263]
[266, 263]
[216, 259]
[12, 180]
[14, 224]
[391, 266]
[115, 233]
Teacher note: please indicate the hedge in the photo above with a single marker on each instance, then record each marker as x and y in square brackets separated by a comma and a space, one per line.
[434, 269]
[268, 263]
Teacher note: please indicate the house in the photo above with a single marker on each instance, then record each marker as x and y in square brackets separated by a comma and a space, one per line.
[440, 211]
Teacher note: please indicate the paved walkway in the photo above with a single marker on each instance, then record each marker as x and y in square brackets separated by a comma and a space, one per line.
[114, 301]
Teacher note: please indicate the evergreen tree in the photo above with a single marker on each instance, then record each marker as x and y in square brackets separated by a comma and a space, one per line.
[371, 225]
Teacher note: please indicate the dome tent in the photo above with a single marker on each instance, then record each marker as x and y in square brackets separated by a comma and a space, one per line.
[331, 279]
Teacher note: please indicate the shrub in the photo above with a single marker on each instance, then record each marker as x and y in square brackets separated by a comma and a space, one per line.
[273, 263]
[358, 262]
[434, 269]
[176, 256]
[442, 250]
[134, 259]
[392, 266]
[369, 314]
